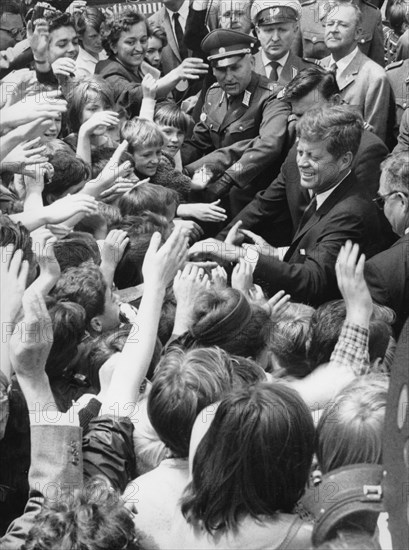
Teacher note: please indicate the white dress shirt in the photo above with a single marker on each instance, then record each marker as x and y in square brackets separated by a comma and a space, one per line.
[343, 63]
[266, 62]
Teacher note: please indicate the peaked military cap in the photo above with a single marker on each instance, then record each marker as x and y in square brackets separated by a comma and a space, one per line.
[221, 45]
[267, 12]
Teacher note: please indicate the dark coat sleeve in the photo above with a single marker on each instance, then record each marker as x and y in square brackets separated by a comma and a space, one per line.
[108, 450]
[126, 92]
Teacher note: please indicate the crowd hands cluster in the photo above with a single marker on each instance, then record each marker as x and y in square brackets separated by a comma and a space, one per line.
[171, 378]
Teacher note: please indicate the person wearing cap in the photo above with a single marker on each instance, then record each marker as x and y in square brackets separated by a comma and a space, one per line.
[242, 132]
[276, 25]
[362, 82]
[309, 42]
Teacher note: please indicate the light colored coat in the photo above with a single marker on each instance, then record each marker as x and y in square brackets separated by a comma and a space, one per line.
[364, 84]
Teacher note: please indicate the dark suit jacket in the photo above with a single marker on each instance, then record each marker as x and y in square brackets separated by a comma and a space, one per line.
[125, 84]
[387, 275]
[308, 269]
[276, 212]
[292, 67]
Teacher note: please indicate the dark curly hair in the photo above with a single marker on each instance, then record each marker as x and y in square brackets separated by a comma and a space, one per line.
[94, 518]
[121, 23]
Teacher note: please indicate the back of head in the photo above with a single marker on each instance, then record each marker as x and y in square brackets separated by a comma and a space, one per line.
[93, 518]
[398, 16]
[350, 428]
[184, 383]
[69, 171]
[147, 197]
[16, 234]
[83, 285]
[225, 318]
[140, 132]
[254, 459]
[289, 344]
[140, 230]
[75, 249]
[314, 78]
[339, 126]
[91, 17]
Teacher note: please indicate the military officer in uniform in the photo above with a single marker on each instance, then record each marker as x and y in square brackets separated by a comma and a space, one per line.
[276, 25]
[309, 42]
[398, 76]
[241, 136]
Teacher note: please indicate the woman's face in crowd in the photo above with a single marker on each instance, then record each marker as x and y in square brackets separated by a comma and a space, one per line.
[53, 131]
[92, 41]
[63, 43]
[147, 160]
[174, 139]
[153, 54]
[132, 45]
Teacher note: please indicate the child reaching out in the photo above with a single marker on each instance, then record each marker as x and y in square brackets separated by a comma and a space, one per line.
[153, 153]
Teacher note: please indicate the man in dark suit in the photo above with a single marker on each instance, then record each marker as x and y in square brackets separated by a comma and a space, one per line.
[328, 140]
[387, 273]
[276, 212]
[276, 25]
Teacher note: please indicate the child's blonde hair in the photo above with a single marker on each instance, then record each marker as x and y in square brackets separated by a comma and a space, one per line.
[140, 132]
[350, 428]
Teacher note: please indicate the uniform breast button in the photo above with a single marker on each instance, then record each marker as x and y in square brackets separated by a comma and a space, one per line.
[405, 105]
[362, 40]
[241, 128]
[314, 38]
[211, 126]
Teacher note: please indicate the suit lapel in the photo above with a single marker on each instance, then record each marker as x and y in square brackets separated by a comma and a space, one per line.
[238, 106]
[324, 208]
[348, 75]
[258, 64]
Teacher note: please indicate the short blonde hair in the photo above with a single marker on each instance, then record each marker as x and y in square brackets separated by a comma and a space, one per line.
[350, 428]
[140, 132]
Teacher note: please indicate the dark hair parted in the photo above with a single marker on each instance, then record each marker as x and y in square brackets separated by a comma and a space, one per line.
[254, 459]
[340, 126]
[184, 384]
[76, 248]
[91, 518]
[215, 322]
[88, 89]
[121, 23]
[170, 114]
[57, 20]
[91, 17]
[159, 32]
[309, 79]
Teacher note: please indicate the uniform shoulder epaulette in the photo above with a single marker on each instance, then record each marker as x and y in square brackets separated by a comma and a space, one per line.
[214, 85]
[308, 3]
[370, 4]
[394, 65]
[311, 59]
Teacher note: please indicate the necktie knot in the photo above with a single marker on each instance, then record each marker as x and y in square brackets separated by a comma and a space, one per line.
[273, 70]
[334, 68]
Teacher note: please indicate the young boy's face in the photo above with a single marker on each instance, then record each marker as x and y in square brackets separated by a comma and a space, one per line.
[174, 139]
[147, 160]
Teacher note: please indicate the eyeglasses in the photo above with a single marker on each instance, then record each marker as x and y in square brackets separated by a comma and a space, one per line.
[16, 32]
[381, 199]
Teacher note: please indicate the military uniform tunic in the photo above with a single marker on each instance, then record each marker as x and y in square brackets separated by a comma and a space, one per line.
[240, 136]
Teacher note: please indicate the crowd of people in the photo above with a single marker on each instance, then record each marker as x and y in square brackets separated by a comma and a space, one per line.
[204, 241]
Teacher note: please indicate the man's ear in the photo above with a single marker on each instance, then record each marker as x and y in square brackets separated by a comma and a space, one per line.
[358, 33]
[96, 324]
[347, 159]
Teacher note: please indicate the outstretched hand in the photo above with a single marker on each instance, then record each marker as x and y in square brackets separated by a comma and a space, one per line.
[161, 263]
[352, 285]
